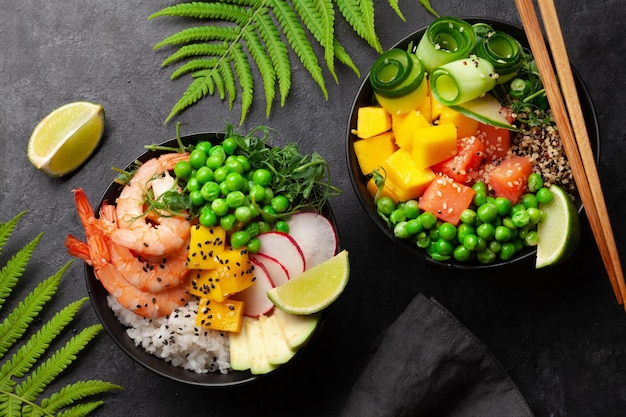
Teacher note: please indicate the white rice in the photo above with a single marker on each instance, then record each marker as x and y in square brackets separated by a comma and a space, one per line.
[177, 339]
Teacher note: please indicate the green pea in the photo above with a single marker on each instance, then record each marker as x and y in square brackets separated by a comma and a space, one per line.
[535, 215]
[487, 212]
[535, 182]
[530, 200]
[520, 218]
[264, 227]
[397, 216]
[480, 187]
[219, 151]
[439, 257]
[508, 223]
[233, 165]
[447, 231]
[479, 199]
[197, 158]
[532, 238]
[485, 256]
[503, 205]
[269, 195]
[219, 206]
[196, 198]
[204, 146]
[422, 240]
[224, 190]
[444, 247]
[470, 242]
[254, 245]
[280, 203]
[385, 205]
[234, 181]
[239, 239]
[281, 226]
[243, 214]
[482, 244]
[235, 199]
[507, 251]
[227, 222]
[245, 162]
[401, 230]
[220, 174]
[468, 216]
[182, 169]
[427, 219]
[502, 234]
[214, 162]
[463, 230]
[210, 191]
[268, 212]
[414, 226]
[486, 231]
[262, 176]
[204, 174]
[495, 246]
[229, 145]
[519, 244]
[193, 184]
[544, 195]
[253, 228]
[517, 207]
[411, 209]
[257, 193]
[461, 254]
[207, 218]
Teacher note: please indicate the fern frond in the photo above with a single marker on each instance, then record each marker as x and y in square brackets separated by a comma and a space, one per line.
[69, 394]
[6, 229]
[203, 10]
[226, 72]
[201, 34]
[14, 326]
[14, 268]
[298, 41]
[196, 90]
[396, 8]
[197, 49]
[426, 4]
[277, 50]
[81, 410]
[319, 18]
[219, 84]
[344, 57]
[353, 12]
[195, 65]
[10, 405]
[23, 360]
[246, 80]
[264, 64]
[41, 377]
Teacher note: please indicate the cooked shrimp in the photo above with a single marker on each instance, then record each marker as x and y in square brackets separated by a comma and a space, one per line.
[142, 303]
[160, 235]
[147, 275]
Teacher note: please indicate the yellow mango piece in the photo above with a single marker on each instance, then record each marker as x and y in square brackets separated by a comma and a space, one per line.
[234, 270]
[225, 316]
[406, 179]
[372, 121]
[206, 283]
[465, 126]
[433, 144]
[436, 108]
[404, 125]
[371, 152]
[204, 243]
[426, 109]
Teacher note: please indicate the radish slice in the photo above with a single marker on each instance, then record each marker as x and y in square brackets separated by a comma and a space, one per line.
[315, 235]
[285, 250]
[277, 272]
[255, 298]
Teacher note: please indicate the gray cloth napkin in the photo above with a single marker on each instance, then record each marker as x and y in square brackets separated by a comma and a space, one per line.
[428, 364]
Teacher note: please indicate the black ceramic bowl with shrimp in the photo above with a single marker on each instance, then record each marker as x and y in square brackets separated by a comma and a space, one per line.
[117, 331]
[364, 97]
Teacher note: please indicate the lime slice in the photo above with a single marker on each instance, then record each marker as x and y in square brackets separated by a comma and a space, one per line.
[65, 138]
[314, 289]
[559, 232]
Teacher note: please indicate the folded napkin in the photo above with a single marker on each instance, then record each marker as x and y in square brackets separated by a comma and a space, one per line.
[429, 364]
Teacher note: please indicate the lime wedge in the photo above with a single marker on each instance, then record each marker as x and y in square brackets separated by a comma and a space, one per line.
[314, 289]
[65, 138]
[559, 232]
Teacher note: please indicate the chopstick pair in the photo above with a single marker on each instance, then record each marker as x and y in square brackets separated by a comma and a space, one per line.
[573, 130]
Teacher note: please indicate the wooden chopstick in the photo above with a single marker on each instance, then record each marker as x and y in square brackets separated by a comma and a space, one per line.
[576, 145]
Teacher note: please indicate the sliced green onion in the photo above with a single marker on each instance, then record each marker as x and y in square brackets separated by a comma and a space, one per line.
[503, 51]
[446, 39]
[398, 80]
[462, 80]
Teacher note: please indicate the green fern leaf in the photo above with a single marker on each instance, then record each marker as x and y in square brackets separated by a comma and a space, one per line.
[10, 273]
[22, 361]
[219, 84]
[344, 57]
[228, 76]
[264, 64]
[202, 49]
[35, 383]
[6, 229]
[201, 34]
[396, 8]
[277, 51]
[81, 410]
[195, 65]
[10, 405]
[14, 326]
[196, 90]
[298, 41]
[426, 4]
[319, 17]
[361, 20]
[69, 394]
[246, 80]
[202, 10]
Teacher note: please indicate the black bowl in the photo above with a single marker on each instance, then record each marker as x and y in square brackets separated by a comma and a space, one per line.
[359, 181]
[117, 331]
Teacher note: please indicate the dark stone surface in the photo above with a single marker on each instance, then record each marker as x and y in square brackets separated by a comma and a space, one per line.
[558, 333]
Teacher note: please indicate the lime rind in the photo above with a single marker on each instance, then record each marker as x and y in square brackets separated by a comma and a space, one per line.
[559, 232]
[315, 289]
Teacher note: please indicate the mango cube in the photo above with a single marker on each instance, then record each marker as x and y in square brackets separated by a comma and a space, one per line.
[206, 283]
[433, 144]
[371, 152]
[465, 126]
[404, 179]
[372, 121]
[436, 108]
[204, 243]
[225, 316]
[404, 125]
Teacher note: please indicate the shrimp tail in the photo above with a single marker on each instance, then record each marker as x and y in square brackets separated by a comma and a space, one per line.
[77, 248]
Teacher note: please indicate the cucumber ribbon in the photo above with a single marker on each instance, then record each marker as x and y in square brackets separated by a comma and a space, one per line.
[462, 80]
[445, 40]
[501, 49]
